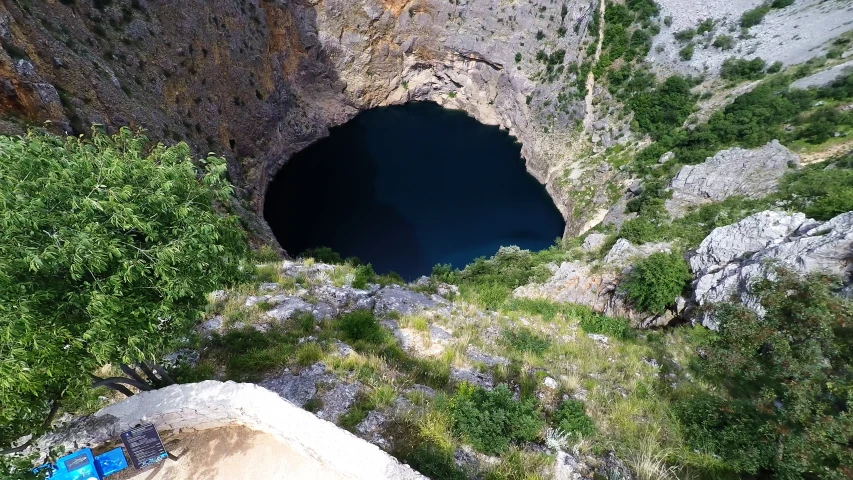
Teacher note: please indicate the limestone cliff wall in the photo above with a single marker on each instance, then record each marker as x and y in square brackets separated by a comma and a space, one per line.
[258, 80]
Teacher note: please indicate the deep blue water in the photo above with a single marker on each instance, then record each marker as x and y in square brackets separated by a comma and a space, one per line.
[408, 187]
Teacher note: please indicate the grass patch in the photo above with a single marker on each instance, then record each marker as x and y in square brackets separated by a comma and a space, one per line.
[611, 326]
[524, 340]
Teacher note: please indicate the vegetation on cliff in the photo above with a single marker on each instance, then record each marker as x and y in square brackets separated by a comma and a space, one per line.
[781, 408]
[108, 248]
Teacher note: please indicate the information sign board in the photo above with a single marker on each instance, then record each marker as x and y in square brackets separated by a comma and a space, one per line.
[144, 446]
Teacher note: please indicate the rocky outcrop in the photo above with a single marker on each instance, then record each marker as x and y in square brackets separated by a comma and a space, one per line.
[731, 258]
[736, 171]
[824, 77]
[624, 253]
[596, 285]
[724, 265]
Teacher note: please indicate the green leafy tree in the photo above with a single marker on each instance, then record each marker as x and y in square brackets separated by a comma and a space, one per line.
[783, 409]
[108, 248]
[656, 281]
[667, 107]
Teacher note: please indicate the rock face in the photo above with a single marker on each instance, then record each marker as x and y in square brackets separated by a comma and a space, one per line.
[597, 288]
[623, 253]
[777, 38]
[824, 77]
[734, 256]
[736, 171]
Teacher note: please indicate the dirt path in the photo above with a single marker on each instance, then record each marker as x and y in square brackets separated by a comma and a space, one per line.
[233, 453]
[833, 151]
[590, 78]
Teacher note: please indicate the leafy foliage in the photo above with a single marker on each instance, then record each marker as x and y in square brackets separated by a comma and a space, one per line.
[108, 248]
[724, 42]
[490, 420]
[323, 255]
[360, 325]
[667, 107]
[751, 18]
[742, 69]
[656, 281]
[492, 280]
[821, 191]
[571, 418]
[787, 383]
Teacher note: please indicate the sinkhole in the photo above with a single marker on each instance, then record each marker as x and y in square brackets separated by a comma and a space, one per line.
[408, 187]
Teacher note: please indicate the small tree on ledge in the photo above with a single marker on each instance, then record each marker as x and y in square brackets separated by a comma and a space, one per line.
[108, 248]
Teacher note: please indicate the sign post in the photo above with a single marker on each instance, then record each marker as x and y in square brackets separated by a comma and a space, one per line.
[144, 446]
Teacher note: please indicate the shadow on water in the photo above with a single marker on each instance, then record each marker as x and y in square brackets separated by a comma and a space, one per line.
[408, 187]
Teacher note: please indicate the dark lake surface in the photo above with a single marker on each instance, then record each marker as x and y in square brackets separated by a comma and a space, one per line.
[408, 187]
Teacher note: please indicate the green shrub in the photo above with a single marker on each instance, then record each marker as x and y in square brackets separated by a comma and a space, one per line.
[741, 69]
[490, 295]
[445, 273]
[685, 35]
[525, 340]
[705, 26]
[248, 353]
[656, 281]
[753, 17]
[390, 278]
[364, 275]
[433, 457]
[821, 191]
[358, 412]
[724, 42]
[667, 107]
[490, 281]
[323, 255]
[360, 325]
[776, 67]
[433, 461]
[645, 9]
[781, 3]
[491, 420]
[546, 308]
[782, 409]
[267, 274]
[686, 53]
[265, 254]
[639, 231]
[571, 418]
[611, 326]
[640, 44]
